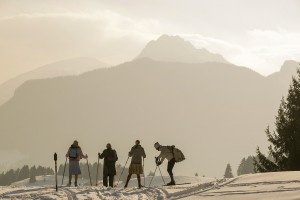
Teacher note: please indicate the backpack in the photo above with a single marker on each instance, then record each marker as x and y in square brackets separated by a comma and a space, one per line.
[73, 153]
[178, 155]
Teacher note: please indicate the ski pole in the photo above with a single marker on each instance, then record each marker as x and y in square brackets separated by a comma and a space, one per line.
[161, 175]
[62, 181]
[122, 171]
[153, 176]
[55, 159]
[87, 162]
[144, 172]
[97, 169]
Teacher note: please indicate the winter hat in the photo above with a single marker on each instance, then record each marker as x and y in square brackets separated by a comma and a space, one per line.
[108, 145]
[156, 145]
[137, 142]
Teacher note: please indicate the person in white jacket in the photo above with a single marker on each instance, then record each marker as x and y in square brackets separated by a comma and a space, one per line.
[166, 153]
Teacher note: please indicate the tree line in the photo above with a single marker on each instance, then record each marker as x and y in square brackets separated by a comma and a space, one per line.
[246, 166]
[11, 176]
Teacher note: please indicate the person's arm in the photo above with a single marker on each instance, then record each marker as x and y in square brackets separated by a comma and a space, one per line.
[102, 155]
[116, 155]
[81, 155]
[67, 155]
[130, 153]
[144, 154]
[162, 155]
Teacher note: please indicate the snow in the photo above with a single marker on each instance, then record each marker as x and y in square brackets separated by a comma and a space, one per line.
[267, 186]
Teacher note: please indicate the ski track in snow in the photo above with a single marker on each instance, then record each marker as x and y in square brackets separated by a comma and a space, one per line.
[267, 186]
[93, 192]
[70, 194]
[192, 190]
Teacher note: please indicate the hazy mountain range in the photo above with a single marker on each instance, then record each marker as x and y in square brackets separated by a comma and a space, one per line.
[68, 67]
[214, 111]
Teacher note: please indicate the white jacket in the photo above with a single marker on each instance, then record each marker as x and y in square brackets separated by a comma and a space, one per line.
[165, 153]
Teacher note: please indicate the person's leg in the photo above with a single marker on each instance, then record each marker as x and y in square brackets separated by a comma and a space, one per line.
[105, 180]
[139, 180]
[171, 164]
[76, 178]
[111, 180]
[127, 181]
[70, 179]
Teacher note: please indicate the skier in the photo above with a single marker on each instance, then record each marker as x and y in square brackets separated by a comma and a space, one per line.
[167, 153]
[136, 152]
[109, 169]
[74, 154]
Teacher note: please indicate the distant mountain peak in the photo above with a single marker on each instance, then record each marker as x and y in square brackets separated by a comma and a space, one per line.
[289, 65]
[176, 49]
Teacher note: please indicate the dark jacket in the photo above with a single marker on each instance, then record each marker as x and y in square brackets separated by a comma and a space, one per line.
[137, 152]
[110, 157]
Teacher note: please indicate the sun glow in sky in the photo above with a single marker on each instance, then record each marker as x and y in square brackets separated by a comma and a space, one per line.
[257, 34]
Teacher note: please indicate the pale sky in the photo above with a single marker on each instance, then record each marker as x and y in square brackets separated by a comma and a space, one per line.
[259, 34]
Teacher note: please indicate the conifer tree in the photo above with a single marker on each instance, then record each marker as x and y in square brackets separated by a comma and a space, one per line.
[33, 171]
[228, 172]
[24, 173]
[285, 140]
[246, 166]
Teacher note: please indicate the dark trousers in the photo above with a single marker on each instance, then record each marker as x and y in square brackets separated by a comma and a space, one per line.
[111, 180]
[171, 164]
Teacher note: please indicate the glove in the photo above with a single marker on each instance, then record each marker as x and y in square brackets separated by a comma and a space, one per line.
[98, 155]
[158, 163]
[86, 155]
[156, 160]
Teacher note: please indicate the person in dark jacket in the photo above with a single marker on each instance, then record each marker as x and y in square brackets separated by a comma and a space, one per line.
[74, 154]
[109, 166]
[137, 153]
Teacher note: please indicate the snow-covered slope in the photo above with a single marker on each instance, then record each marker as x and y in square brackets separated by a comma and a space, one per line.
[269, 186]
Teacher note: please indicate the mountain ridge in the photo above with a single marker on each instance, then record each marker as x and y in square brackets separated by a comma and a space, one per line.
[175, 48]
[145, 99]
[74, 66]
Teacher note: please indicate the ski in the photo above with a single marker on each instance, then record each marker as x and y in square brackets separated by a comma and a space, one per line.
[177, 184]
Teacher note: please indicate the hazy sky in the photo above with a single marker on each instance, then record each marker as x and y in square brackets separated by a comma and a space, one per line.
[259, 34]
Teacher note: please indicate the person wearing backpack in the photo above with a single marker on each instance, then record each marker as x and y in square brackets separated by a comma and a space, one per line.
[74, 154]
[136, 152]
[166, 152]
[109, 166]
